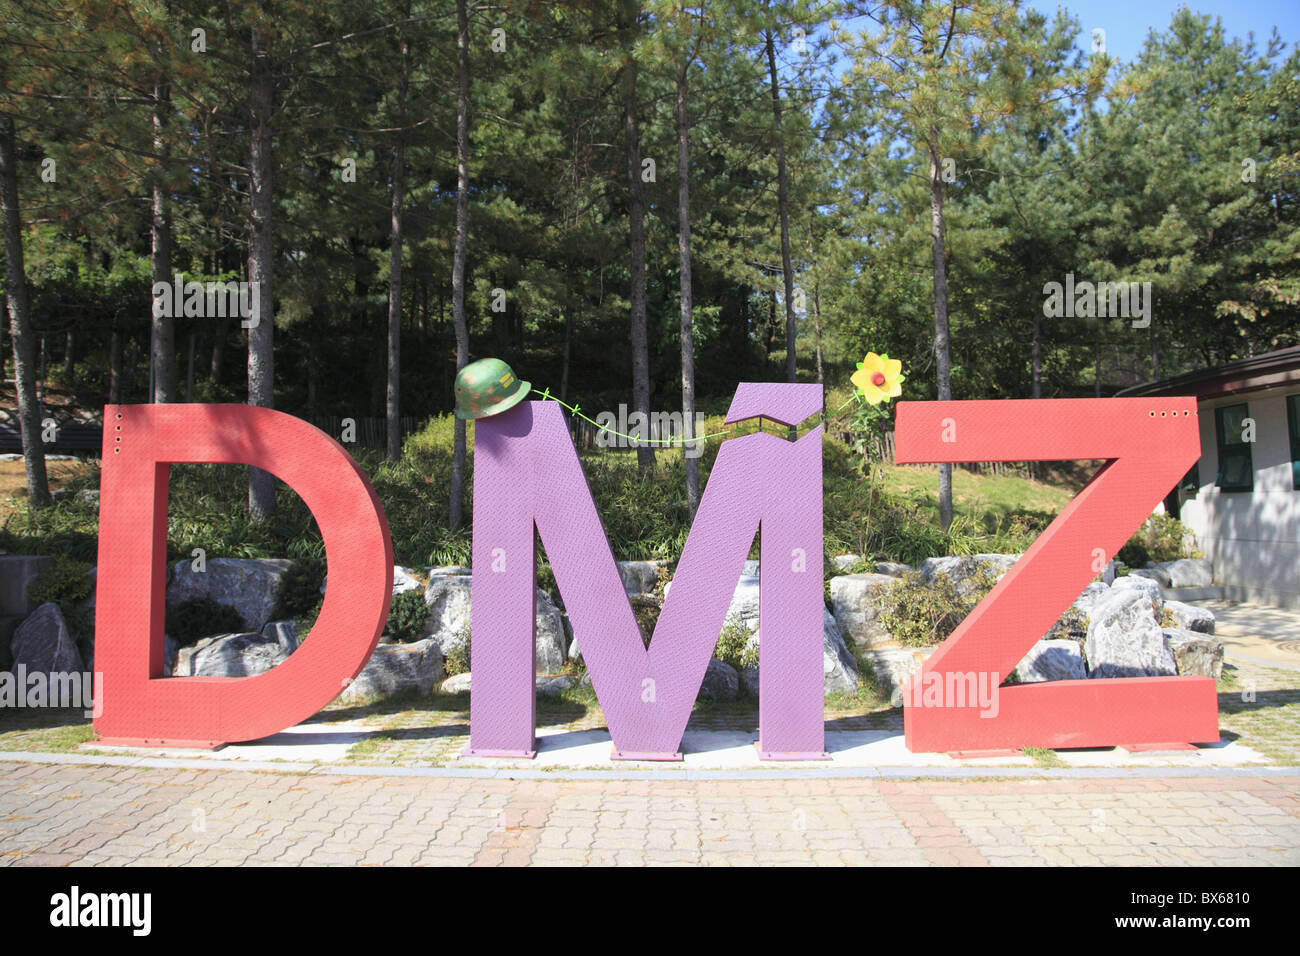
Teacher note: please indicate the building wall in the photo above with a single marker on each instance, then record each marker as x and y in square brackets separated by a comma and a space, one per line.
[1252, 538]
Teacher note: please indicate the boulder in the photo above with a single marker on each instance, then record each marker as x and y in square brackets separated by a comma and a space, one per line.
[42, 643]
[246, 584]
[843, 562]
[282, 631]
[1052, 660]
[893, 568]
[961, 569]
[1145, 585]
[449, 600]
[639, 577]
[1191, 618]
[1186, 572]
[551, 640]
[448, 597]
[554, 686]
[17, 571]
[750, 569]
[893, 666]
[445, 570]
[403, 581]
[233, 655]
[1092, 592]
[1196, 653]
[855, 602]
[396, 669]
[1154, 573]
[721, 682]
[1124, 639]
[457, 684]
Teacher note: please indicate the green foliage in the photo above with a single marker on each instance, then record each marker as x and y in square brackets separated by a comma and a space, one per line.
[298, 590]
[66, 583]
[921, 615]
[733, 646]
[195, 618]
[457, 658]
[1161, 538]
[407, 616]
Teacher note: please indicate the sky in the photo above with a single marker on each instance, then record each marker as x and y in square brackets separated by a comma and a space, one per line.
[1126, 22]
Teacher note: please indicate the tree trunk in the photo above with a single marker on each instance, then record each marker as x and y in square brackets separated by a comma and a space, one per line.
[817, 330]
[261, 367]
[162, 328]
[783, 215]
[458, 257]
[115, 368]
[1037, 359]
[20, 323]
[395, 261]
[942, 348]
[568, 351]
[645, 455]
[684, 263]
[68, 363]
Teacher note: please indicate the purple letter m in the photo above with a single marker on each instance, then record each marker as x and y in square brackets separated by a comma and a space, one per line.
[527, 473]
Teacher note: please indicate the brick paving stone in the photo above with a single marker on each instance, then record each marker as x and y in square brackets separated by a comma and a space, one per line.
[81, 814]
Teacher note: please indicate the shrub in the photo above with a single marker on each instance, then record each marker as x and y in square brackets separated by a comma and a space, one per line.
[922, 615]
[457, 658]
[732, 644]
[407, 616]
[298, 590]
[1162, 537]
[66, 584]
[194, 618]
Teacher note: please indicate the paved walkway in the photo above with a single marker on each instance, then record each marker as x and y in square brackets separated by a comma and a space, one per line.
[83, 814]
[1257, 632]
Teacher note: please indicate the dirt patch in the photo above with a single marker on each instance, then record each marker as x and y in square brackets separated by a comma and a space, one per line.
[13, 480]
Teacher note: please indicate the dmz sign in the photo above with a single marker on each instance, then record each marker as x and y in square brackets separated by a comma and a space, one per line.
[527, 476]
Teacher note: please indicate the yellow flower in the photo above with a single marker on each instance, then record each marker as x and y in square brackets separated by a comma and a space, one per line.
[878, 378]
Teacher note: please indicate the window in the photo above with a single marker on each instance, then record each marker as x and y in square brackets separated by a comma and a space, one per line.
[1293, 424]
[1236, 469]
[1191, 482]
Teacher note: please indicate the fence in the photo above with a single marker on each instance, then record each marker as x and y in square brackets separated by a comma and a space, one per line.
[882, 449]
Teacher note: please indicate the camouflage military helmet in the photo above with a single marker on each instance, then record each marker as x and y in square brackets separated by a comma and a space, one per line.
[487, 387]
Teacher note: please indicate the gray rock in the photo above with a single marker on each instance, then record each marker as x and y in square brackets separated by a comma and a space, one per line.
[1073, 624]
[403, 581]
[855, 602]
[457, 684]
[554, 686]
[1092, 592]
[1145, 585]
[1191, 618]
[233, 655]
[17, 571]
[893, 666]
[845, 561]
[961, 569]
[1154, 573]
[721, 682]
[448, 597]
[639, 577]
[1197, 654]
[282, 631]
[1187, 572]
[893, 568]
[397, 669]
[841, 672]
[449, 600]
[246, 584]
[551, 639]
[171, 651]
[454, 570]
[750, 569]
[42, 643]
[1052, 660]
[1124, 639]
